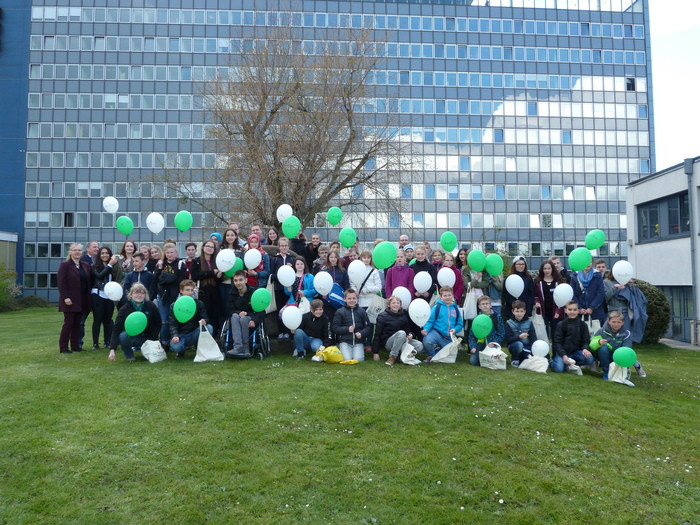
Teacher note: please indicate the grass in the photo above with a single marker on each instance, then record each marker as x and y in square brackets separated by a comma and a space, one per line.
[89, 441]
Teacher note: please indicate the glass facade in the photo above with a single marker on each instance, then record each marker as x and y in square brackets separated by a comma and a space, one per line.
[529, 117]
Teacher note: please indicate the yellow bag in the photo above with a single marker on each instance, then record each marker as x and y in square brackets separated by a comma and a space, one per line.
[332, 354]
[349, 362]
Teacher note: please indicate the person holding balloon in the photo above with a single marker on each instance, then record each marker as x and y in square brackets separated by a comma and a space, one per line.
[421, 264]
[589, 292]
[486, 328]
[170, 270]
[205, 272]
[520, 334]
[186, 317]
[131, 331]
[610, 337]
[314, 332]
[339, 275]
[548, 278]
[303, 285]
[257, 273]
[571, 342]
[74, 280]
[444, 321]
[400, 274]
[485, 275]
[393, 330]
[243, 317]
[448, 261]
[283, 258]
[526, 291]
[105, 269]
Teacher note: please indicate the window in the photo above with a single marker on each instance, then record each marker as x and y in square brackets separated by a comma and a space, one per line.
[630, 84]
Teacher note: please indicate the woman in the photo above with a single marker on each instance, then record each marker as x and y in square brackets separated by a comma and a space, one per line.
[208, 277]
[257, 277]
[394, 331]
[283, 258]
[74, 283]
[401, 274]
[448, 261]
[170, 270]
[272, 237]
[548, 278]
[154, 257]
[589, 293]
[105, 269]
[519, 268]
[126, 258]
[484, 284]
[303, 285]
[137, 301]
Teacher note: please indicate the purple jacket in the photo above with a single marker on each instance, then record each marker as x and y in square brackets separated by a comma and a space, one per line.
[399, 276]
[69, 287]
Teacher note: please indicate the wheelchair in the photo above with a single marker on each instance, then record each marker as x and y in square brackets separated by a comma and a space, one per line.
[258, 344]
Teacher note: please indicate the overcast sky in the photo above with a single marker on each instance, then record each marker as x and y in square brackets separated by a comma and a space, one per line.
[675, 63]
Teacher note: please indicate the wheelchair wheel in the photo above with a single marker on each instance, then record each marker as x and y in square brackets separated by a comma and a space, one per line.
[259, 356]
[264, 341]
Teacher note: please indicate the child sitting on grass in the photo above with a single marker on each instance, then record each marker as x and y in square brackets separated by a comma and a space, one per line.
[571, 342]
[183, 335]
[314, 331]
[608, 339]
[495, 336]
[445, 319]
[520, 334]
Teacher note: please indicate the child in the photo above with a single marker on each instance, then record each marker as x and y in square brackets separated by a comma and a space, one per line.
[520, 334]
[370, 285]
[314, 331]
[495, 336]
[422, 264]
[394, 331]
[139, 275]
[183, 335]
[570, 343]
[243, 318]
[351, 326]
[445, 319]
[612, 336]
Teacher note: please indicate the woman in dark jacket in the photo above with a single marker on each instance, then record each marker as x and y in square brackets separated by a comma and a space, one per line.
[105, 269]
[528, 296]
[74, 283]
[394, 331]
[137, 301]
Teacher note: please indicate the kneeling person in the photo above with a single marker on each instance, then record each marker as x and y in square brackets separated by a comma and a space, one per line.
[314, 331]
[520, 334]
[243, 317]
[445, 319]
[571, 342]
[184, 335]
[136, 301]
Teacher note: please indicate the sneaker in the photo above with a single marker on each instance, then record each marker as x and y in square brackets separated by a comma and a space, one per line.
[593, 367]
[301, 355]
[428, 359]
[280, 336]
[515, 364]
[640, 370]
[574, 369]
[627, 382]
[605, 376]
[295, 353]
[391, 360]
[95, 346]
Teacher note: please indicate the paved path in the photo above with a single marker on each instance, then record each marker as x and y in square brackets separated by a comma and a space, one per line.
[679, 344]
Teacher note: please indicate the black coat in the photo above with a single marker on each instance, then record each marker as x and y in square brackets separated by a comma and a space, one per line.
[178, 329]
[426, 266]
[241, 303]
[345, 318]
[571, 336]
[317, 327]
[69, 287]
[388, 323]
[168, 279]
[152, 331]
[528, 296]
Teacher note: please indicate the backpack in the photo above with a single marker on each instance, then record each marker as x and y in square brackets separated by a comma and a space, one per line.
[336, 297]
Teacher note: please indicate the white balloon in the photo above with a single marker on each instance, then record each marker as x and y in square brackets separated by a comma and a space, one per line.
[155, 222]
[419, 311]
[356, 272]
[113, 291]
[286, 275]
[291, 317]
[540, 348]
[225, 260]
[110, 204]
[515, 285]
[323, 282]
[422, 282]
[446, 277]
[252, 259]
[284, 211]
[563, 293]
[402, 293]
[622, 272]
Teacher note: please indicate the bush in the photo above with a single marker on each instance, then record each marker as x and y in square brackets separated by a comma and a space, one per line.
[9, 289]
[658, 309]
[32, 301]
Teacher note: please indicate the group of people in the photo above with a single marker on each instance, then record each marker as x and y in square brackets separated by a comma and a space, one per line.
[153, 277]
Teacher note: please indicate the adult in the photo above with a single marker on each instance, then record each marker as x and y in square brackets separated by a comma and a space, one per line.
[256, 229]
[137, 301]
[589, 293]
[216, 237]
[485, 284]
[90, 257]
[547, 280]
[519, 268]
[298, 244]
[631, 302]
[208, 277]
[74, 280]
[403, 241]
[272, 237]
[106, 269]
[311, 249]
[393, 331]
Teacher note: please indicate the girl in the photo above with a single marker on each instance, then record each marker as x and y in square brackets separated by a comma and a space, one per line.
[272, 237]
[104, 270]
[393, 330]
[137, 301]
[229, 241]
[370, 285]
[401, 274]
[351, 327]
[437, 257]
[448, 261]
[126, 258]
[154, 257]
[421, 264]
[257, 277]
[283, 258]
[546, 281]
[519, 268]
[333, 267]
[170, 270]
[303, 285]
[208, 277]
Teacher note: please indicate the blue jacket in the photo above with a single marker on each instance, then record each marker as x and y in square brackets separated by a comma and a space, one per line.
[592, 297]
[144, 277]
[515, 328]
[497, 332]
[307, 288]
[444, 318]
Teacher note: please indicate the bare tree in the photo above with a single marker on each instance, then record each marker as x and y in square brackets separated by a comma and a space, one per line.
[288, 126]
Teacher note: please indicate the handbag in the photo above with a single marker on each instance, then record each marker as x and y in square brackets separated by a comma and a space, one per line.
[304, 305]
[448, 353]
[618, 374]
[469, 308]
[433, 299]
[540, 327]
[493, 357]
[207, 349]
[376, 306]
[272, 307]
[336, 297]
[153, 351]
[535, 363]
[593, 325]
[408, 354]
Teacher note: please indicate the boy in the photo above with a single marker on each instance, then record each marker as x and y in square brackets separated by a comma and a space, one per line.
[314, 331]
[495, 336]
[351, 326]
[570, 342]
[243, 318]
[520, 334]
[139, 275]
[445, 319]
[608, 339]
[184, 335]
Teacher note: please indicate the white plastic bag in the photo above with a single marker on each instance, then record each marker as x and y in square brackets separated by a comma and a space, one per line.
[448, 353]
[618, 374]
[153, 351]
[207, 349]
[493, 357]
[304, 305]
[535, 363]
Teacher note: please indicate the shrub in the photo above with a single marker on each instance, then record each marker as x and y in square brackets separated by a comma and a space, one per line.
[33, 301]
[9, 289]
[658, 309]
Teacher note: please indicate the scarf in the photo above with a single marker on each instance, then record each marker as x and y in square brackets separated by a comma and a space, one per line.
[137, 307]
[585, 280]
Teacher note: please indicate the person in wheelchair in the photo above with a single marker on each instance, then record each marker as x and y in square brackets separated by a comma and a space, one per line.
[243, 318]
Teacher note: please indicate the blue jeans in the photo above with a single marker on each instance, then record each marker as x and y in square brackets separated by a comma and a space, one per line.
[474, 358]
[163, 310]
[352, 351]
[559, 366]
[604, 357]
[518, 352]
[435, 339]
[188, 340]
[303, 342]
[127, 342]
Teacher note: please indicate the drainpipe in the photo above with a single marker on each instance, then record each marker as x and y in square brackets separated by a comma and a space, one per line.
[688, 170]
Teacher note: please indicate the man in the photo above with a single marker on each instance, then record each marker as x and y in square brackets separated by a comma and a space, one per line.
[311, 250]
[256, 229]
[403, 240]
[90, 256]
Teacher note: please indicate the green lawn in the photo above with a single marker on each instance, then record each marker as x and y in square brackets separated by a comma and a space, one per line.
[85, 440]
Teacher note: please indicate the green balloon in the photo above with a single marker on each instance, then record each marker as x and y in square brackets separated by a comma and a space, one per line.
[183, 220]
[291, 226]
[579, 259]
[384, 255]
[260, 299]
[347, 237]
[595, 239]
[334, 215]
[625, 356]
[184, 308]
[238, 265]
[482, 326]
[476, 260]
[125, 225]
[448, 241]
[411, 262]
[494, 264]
[135, 323]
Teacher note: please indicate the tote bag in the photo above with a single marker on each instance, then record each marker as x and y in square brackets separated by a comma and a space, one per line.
[207, 349]
[469, 307]
[153, 351]
[493, 357]
[376, 306]
[408, 355]
[540, 327]
[272, 307]
[448, 353]
[535, 364]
